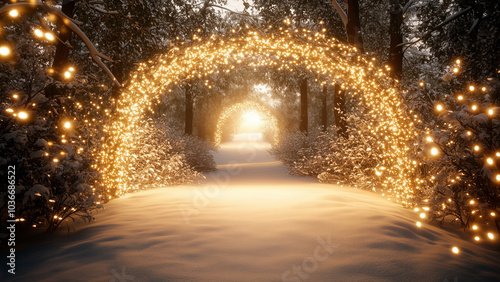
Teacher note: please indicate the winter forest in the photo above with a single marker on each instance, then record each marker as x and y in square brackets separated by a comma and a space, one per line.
[250, 140]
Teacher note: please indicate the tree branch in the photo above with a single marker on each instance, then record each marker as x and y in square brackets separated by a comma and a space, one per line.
[94, 53]
[446, 21]
[341, 12]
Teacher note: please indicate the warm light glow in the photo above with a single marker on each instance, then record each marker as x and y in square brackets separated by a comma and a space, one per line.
[458, 62]
[498, 177]
[474, 107]
[491, 112]
[55, 160]
[455, 70]
[422, 215]
[67, 74]
[491, 236]
[472, 88]
[477, 238]
[474, 227]
[49, 36]
[490, 161]
[4, 51]
[22, 115]
[67, 125]
[14, 13]
[455, 250]
[15, 96]
[38, 33]
[460, 98]
[434, 151]
[439, 107]
[429, 139]
[477, 148]
[251, 119]
[419, 224]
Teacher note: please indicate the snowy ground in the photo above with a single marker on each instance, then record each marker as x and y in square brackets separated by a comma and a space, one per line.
[251, 221]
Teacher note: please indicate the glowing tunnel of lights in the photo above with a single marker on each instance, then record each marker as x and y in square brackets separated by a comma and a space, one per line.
[326, 59]
[248, 105]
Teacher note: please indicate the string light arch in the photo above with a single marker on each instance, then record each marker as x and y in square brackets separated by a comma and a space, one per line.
[247, 105]
[288, 50]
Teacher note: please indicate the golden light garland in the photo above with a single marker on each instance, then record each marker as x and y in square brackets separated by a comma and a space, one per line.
[228, 112]
[289, 50]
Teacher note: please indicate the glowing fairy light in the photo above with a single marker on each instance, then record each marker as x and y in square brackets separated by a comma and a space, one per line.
[455, 250]
[38, 33]
[67, 125]
[434, 151]
[491, 236]
[67, 74]
[49, 36]
[477, 148]
[4, 51]
[14, 13]
[458, 61]
[455, 70]
[419, 224]
[474, 227]
[422, 215]
[472, 88]
[15, 96]
[477, 238]
[439, 107]
[460, 98]
[22, 115]
[498, 177]
[483, 89]
[490, 161]
[491, 112]
[55, 160]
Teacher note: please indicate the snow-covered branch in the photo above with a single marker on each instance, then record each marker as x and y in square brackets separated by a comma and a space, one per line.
[341, 12]
[94, 53]
[445, 22]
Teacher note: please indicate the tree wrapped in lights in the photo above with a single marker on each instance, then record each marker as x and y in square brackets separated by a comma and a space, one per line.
[460, 157]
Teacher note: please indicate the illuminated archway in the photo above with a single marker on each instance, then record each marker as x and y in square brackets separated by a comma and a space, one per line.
[244, 106]
[328, 59]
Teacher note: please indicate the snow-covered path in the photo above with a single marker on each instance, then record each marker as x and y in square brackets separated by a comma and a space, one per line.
[251, 221]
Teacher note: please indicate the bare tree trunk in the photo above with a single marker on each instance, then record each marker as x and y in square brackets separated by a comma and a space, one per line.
[61, 56]
[339, 111]
[396, 47]
[324, 110]
[188, 124]
[353, 26]
[62, 51]
[303, 106]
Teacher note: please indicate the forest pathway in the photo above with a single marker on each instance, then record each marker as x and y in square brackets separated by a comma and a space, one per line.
[251, 221]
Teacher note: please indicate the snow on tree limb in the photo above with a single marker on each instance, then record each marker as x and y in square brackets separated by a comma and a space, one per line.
[94, 53]
[341, 12]
[445, 22]
[407, 6]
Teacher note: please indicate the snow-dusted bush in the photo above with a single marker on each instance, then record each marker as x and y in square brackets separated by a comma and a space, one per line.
[459, 156]
[164, 155]
[330, 158]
